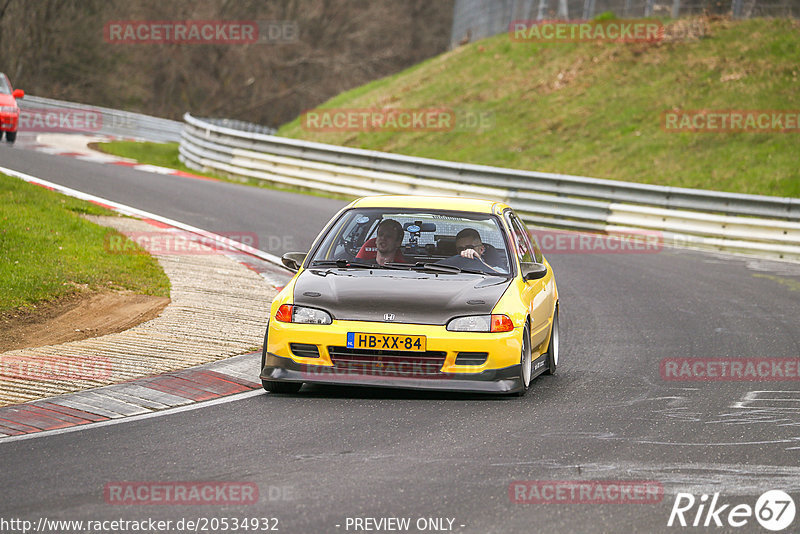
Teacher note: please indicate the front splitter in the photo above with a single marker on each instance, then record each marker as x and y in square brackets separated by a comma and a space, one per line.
[505, 380]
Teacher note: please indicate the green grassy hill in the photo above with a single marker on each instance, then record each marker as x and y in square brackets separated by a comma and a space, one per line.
[595, 109]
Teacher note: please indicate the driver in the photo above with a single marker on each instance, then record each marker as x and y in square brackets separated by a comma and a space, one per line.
[386, 246]
[469, 245]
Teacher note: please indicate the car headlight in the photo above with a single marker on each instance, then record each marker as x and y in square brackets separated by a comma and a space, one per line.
[481, 323]
[9, 109]
[289, 313]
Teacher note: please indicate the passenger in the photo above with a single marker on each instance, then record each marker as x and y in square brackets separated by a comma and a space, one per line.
[386, 246]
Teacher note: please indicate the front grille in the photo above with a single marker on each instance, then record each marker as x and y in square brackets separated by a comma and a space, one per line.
[471, 358]
[304, 350]
[390, 363]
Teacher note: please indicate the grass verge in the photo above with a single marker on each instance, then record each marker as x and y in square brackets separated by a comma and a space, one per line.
[48, 251]
[595, 109]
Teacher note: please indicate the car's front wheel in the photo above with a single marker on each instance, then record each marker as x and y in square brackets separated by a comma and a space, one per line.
[11, 136]
[525, 363]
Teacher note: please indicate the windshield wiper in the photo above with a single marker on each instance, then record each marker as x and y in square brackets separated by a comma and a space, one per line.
[398, 265]
[428, 266]
[439, 267]
[342, 264]
[445, 268]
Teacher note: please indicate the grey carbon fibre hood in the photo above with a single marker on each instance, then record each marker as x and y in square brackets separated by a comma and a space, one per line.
[413, 297]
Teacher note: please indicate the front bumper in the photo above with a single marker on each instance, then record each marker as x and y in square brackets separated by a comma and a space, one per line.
[438, 369]
[8, 122]
[505, 380]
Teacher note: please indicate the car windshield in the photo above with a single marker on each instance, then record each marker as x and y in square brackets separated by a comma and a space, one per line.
[431, 240]
[5, 87]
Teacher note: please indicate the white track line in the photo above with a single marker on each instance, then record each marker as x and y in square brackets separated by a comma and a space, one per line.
[128, 210]
[132, 418]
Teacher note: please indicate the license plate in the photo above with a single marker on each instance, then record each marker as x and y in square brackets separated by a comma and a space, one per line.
[357, 340]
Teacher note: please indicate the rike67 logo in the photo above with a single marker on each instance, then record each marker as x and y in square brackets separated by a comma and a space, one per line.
[774, 510]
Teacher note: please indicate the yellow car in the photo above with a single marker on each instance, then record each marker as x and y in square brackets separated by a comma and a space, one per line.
[417, 292]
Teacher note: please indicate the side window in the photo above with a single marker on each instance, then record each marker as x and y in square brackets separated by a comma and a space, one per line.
[537, 251]
[522, 244]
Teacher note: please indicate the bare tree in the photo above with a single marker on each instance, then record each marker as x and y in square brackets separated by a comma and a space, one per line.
[56, 48]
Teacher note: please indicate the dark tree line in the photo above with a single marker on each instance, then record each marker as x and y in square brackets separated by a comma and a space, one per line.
[56, 48]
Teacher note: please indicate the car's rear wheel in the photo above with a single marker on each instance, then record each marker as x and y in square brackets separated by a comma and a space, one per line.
[525, 363]
[11, 136]
[552, 350]
[281, 387]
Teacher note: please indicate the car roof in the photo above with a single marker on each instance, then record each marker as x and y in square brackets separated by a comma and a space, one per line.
[473, 205]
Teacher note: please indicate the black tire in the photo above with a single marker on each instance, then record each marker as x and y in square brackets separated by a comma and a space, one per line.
[525, 362]
[281, 387]
[11, 136]
[552, 350]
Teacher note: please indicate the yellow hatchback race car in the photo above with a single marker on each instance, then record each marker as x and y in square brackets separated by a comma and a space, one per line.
[416, 292]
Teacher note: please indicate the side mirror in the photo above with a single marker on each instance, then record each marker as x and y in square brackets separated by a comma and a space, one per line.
[293, 260]
[533, 271]
[18, 93]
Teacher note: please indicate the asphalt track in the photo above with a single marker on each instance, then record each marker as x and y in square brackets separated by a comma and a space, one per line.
[328, 454]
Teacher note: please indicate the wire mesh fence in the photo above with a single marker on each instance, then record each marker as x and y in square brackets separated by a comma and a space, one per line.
[477, 19]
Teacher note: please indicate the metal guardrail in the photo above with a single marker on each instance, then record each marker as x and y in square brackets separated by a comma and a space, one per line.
[242, 126]
[723, 221]
[111, 122]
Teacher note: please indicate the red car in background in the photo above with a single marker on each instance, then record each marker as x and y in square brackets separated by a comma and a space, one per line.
[9, 111]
